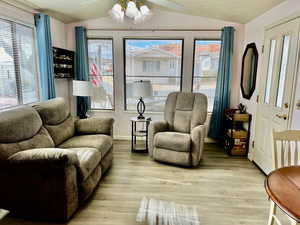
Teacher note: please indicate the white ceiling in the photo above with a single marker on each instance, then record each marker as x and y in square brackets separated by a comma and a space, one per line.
[240, 11]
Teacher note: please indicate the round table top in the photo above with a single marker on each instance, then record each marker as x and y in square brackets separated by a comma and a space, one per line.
[135, 119]
[283, 187]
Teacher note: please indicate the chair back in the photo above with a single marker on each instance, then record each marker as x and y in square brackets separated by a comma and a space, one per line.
[184, 111]
[285, 148]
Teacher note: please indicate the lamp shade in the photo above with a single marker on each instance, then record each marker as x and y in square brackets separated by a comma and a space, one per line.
[82, 88]
[142, 88]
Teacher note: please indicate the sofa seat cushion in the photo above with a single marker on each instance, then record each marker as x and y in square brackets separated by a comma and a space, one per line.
[99, 141]
[175, 141]
[89, 159]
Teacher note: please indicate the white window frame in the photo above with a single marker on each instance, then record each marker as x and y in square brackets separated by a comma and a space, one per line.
[32, 26]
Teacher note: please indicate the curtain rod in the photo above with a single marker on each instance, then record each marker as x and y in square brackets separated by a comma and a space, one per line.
[153, 30]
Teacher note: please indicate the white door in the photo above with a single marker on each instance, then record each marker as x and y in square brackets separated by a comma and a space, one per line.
[276, 88]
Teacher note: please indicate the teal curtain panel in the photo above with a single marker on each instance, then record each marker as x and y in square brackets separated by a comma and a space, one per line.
[222, 96]
[44, 42]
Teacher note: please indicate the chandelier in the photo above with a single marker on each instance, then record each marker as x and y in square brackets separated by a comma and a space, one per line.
[133, 9]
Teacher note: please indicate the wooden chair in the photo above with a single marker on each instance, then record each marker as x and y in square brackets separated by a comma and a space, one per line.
[285, 153]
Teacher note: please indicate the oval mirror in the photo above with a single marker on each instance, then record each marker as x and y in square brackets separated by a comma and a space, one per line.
[249, 70]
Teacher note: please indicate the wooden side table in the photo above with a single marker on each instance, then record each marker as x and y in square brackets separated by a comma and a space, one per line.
[139, 133]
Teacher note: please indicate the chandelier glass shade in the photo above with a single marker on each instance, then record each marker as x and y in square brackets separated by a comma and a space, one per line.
[133, 9]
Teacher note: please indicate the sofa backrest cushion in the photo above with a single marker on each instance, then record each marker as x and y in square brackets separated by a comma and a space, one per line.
[21, 129]
[19, 124]
[41, 140]
[57, 119]
[184, 111]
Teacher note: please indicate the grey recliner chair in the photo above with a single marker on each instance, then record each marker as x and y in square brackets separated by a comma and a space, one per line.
[180, 138]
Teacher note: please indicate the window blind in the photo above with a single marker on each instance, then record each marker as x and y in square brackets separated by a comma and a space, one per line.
[18, 66]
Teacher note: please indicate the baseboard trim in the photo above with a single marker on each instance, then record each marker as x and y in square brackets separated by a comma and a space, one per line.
[128, 138]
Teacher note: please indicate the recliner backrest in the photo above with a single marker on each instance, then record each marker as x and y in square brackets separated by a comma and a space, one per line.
[57, 119]
[184, 111]
[21, 129]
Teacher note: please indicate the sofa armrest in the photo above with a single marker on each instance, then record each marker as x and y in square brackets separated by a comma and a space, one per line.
[95, 125]
[43, 157]
[197, 136]
[155, 127]
[40, 184]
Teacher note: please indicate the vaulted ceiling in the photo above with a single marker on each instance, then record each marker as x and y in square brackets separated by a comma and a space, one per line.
[240, 11]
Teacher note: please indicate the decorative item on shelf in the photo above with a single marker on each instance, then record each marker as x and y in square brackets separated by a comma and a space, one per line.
[142, 89]
[63, 63]
[241, 108]
[82, 89]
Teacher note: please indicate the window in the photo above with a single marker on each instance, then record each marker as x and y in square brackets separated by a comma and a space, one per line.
[206, 65]
[18, 65]
[283, 70]
[155, 60]
[100, 53]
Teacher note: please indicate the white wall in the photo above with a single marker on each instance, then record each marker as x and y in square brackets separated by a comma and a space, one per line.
[254, 32]
[15, 14]
[59, 39]
[161, 20]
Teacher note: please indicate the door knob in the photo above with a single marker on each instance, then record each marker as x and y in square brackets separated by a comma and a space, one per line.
[284, 116]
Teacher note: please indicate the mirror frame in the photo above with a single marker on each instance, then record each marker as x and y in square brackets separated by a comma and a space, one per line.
[255, 52]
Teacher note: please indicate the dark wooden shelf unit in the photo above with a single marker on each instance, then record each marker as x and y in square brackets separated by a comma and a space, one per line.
[237, 134]
[63, 63]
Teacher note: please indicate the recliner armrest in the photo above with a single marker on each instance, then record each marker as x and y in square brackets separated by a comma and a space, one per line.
[197, 136]
[155, 127]
[95, 125]
[44, 157]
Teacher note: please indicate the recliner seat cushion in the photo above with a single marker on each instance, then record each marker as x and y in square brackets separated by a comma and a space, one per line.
[89, 159]
[175, 141]
[99, 141]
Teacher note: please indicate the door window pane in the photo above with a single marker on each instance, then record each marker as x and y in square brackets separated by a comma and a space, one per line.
[283, 70]
[155, 60]
[101, 73]
[270, 71]
[206, 65]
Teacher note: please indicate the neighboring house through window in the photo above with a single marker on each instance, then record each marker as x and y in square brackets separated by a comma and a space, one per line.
[151, 66]
[159, 61]
[206, 65]
[100, 53]
[18, 65]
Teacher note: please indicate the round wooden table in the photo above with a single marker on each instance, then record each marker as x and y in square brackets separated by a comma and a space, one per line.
[283, 188]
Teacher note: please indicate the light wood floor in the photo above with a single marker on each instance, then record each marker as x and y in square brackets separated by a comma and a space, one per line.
[228, 191]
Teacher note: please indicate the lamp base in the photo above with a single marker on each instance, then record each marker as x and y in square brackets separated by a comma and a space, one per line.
[141, 117]
[141, 109]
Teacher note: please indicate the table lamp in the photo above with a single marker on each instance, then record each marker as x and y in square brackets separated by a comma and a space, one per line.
[82, 89]
[141, 89]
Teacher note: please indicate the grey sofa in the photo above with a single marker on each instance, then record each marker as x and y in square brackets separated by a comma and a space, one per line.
[179, 139]
[50, 162]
